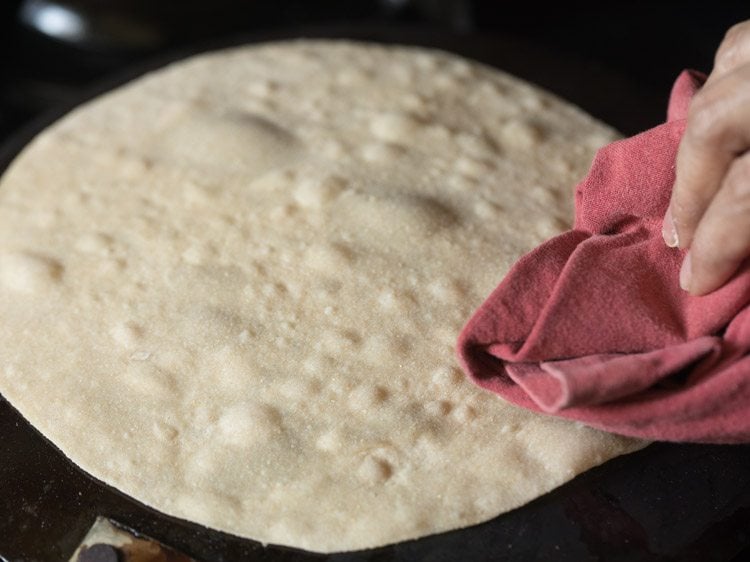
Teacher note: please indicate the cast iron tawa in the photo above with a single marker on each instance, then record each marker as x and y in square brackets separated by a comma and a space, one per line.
[666, 502]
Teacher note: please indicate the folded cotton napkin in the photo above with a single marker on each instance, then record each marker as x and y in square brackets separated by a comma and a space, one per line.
[592, 325]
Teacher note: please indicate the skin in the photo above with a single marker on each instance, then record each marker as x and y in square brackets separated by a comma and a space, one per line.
[709, 211]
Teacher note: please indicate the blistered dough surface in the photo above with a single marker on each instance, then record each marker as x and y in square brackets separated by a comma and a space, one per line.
[232, 289]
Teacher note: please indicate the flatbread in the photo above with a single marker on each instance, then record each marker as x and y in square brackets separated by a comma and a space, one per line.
[231, 289]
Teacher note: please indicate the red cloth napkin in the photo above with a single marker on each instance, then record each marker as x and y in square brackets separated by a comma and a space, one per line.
[592, 325]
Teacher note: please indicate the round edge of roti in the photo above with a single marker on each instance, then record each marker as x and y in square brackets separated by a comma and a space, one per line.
[231, 289]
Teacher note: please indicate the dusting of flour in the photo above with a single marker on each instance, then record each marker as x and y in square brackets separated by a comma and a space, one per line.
[232, 289]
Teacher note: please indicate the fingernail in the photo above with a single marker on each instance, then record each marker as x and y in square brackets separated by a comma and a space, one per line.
[686, 272]
[668, 230]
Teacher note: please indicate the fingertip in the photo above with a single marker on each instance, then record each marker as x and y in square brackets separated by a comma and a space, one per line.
[701, 277]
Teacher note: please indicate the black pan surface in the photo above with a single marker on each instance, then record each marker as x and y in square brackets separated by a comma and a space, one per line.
[666, 502]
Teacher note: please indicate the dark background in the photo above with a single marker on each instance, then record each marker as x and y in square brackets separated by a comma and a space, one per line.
[617, 60]
[644, 43]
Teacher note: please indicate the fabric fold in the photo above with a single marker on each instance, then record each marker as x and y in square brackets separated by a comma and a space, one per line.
[592, 324]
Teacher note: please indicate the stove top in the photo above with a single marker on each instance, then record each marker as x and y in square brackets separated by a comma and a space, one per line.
[667, 502]
[52, 50]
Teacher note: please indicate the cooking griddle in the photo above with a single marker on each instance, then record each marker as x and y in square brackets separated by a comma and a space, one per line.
[666, 502]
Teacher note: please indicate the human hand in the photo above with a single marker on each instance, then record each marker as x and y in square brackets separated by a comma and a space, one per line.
[709, 213]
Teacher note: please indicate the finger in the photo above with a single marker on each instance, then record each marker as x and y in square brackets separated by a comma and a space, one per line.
[722, 239]
[718, 129]
[733, 52]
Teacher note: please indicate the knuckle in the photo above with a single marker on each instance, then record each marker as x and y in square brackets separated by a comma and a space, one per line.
[736, 34]
[702, 127]
[731, 47]
[738, 30]
[707, 124]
